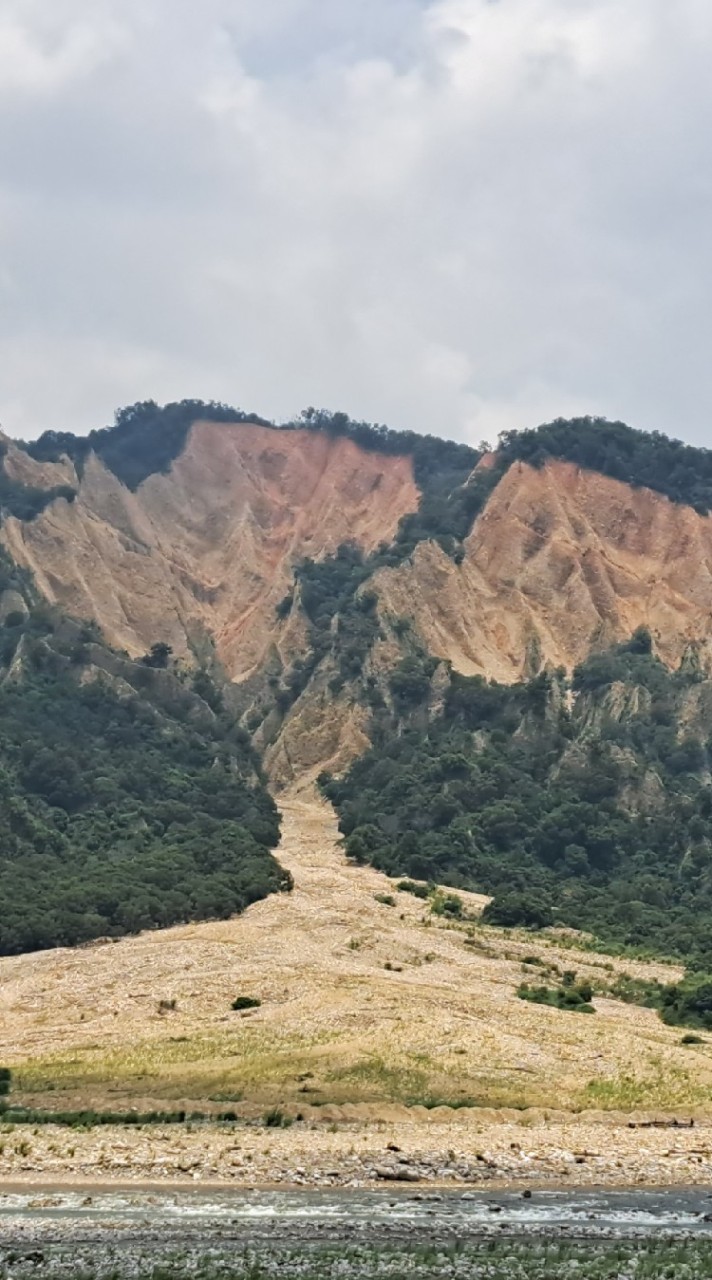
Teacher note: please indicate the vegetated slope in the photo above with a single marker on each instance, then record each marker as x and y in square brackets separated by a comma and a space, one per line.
[585, 802]
[126, 801]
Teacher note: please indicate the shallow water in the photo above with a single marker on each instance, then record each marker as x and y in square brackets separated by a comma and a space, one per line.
[360, 1213]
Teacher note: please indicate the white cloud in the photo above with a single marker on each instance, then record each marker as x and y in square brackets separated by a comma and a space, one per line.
[44, 48]
[456, 215]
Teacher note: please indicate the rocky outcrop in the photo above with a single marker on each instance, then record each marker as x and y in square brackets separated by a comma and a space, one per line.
[202, 555]
[560, 562]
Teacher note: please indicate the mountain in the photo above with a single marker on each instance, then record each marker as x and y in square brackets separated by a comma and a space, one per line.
[497, 663]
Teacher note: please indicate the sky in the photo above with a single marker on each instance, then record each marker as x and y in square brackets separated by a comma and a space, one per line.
[456, 216]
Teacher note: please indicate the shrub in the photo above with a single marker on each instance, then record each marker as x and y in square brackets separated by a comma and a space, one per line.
[691, 1038]
[412, 886]
[5, 1079]
[448, 904]
[386, 899]
[576, 998]
[276, 1119]
[246, 1002]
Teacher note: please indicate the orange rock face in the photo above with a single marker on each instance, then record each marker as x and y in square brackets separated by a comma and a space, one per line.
[209, 548]
[561, 561]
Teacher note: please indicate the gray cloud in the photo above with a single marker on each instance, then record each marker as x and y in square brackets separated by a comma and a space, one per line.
[453, 215]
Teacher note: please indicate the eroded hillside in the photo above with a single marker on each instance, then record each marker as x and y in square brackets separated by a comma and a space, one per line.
[203, 554]
[561, 561]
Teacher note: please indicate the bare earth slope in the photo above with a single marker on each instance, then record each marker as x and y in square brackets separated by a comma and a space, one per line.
[560, 560]
[370, 1044]
[444, 1011]
[210, 547]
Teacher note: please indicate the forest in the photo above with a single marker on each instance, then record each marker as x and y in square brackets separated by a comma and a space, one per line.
[118, 812]
[595, 816]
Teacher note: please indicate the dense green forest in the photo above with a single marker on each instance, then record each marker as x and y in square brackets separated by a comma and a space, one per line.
[119, 811]
[681, 471]
[597, 816]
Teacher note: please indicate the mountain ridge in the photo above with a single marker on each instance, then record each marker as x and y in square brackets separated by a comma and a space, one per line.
[328, 583]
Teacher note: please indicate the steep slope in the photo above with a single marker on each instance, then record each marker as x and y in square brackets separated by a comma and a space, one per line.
[200, 556]
[561, 561]
[325, 590]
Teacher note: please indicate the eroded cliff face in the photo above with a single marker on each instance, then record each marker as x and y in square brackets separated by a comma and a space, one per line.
[204, 553]
[561, 561]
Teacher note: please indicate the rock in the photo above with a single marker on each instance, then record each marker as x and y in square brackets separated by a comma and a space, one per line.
[401, 1174]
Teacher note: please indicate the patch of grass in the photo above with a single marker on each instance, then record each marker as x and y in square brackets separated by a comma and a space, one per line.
[257, 1057]
[660, 1086]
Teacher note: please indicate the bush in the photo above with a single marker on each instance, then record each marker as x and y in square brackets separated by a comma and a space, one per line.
[246, 1002]
[276, 1119]
[412, 886]
[576, 998]
[447, 904]
[691, 1038]
[5, 1081]
[511, 910]
[386, 899]
[688, 1003]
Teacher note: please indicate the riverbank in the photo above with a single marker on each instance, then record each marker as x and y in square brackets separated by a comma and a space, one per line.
[462, 1148]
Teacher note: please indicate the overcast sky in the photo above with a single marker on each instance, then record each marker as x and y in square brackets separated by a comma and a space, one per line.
[452, 215]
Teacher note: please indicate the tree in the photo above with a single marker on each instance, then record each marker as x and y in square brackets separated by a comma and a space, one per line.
[158, 655]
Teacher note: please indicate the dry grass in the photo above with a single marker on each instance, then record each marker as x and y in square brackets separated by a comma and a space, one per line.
[83, 1027]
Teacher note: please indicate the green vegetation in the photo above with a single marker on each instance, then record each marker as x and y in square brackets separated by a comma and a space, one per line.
[681, 471]
[688, 1003]
[411, 886]
[275, 1118]
[26, 501]
[145, 438]
[592, 812]
[246, 1002]
[125, 805]
[571, 995]
[429, 1252]
[90, 1119]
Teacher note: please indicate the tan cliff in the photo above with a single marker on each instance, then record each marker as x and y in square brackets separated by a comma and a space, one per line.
[560, 562]
[209, 548]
